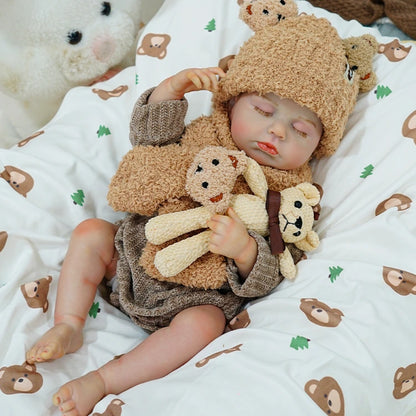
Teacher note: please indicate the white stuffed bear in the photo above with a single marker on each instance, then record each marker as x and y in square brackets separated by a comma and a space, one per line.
[48, 47]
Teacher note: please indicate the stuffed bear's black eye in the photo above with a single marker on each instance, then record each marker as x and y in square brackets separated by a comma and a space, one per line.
[265, 11]
[296, 234]
[298, 204]
[282, 2]
[74, 37]
[199, 169]
[205, 185]
[215, 162]
[106, 8]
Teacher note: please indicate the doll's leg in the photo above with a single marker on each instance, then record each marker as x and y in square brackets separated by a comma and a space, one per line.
[159, 354]
[90, 257]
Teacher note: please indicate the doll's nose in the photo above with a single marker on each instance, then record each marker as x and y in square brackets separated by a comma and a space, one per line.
[278, 129]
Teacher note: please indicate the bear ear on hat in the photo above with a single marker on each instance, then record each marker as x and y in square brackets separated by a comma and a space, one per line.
[259, 14]
[360, 51]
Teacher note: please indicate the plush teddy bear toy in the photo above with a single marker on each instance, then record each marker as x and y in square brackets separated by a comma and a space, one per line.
[49, 47]
[210, 180]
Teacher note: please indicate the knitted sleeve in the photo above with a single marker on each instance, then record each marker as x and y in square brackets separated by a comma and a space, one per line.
[263, 277]
[157, 124]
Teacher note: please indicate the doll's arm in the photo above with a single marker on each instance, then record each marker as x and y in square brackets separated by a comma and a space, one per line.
[159, 113]
[157, 124]
[264, 276]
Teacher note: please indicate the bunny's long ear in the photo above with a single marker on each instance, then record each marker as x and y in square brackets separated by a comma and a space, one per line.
[255, 179]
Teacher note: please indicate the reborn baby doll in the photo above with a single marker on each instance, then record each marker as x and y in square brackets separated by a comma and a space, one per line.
[307, 65]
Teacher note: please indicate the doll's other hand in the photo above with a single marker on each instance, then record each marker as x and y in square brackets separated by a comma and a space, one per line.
[229, 235]
[231, 239]
[187, 80]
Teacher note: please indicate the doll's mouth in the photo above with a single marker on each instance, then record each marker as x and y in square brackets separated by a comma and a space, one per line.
[268, 148]
[217, 198]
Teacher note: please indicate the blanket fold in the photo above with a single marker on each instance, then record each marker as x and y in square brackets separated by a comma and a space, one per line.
[401, 12]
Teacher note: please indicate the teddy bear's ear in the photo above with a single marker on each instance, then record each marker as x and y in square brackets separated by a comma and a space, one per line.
[360, 51]
[310, 242]
[310, 192]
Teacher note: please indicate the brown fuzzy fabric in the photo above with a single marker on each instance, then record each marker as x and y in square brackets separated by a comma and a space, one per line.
[401, 12]
[365, 11]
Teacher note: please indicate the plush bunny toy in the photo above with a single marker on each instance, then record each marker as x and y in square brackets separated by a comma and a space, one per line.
[210, 180]
[49, 47]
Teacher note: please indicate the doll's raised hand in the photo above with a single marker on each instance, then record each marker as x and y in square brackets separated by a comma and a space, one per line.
[187, 80]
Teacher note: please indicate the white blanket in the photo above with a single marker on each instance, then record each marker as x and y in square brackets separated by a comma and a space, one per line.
[342, 335]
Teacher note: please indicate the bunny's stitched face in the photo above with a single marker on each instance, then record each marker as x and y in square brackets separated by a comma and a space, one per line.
[211, 177]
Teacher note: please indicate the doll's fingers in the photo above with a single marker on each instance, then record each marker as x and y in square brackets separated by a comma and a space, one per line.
[232, 214]
[217, 71]
[214, 73]
[213, 81]
[208, 79]
[195, 79]
[218, 224]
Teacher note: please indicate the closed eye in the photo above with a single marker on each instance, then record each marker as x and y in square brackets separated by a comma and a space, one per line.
[300, 132]
[263, 112]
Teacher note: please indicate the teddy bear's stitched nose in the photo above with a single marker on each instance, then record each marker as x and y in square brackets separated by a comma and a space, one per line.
[299, 223]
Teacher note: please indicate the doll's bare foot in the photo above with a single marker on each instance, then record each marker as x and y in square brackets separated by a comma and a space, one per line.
[60, 340]
[79, 396]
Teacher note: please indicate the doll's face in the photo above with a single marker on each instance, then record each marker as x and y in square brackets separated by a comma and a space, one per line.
[274, 131]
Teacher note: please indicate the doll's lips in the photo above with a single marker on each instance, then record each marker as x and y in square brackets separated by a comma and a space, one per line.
[217, 198]
[268, 148]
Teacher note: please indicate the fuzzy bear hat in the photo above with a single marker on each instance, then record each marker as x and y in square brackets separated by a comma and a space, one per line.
[301, 58]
